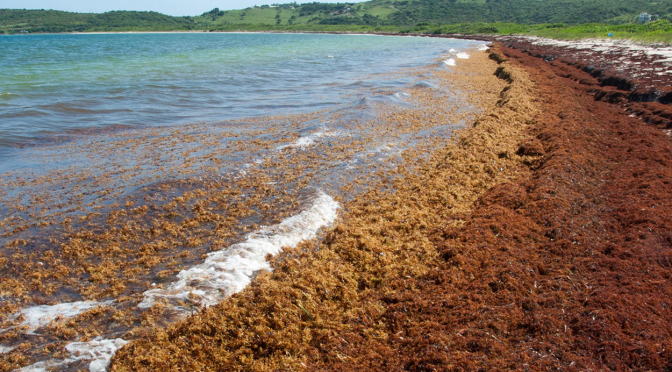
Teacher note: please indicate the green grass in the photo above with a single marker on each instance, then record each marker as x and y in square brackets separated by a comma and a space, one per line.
[254, 16]
[314, 27]
[259, 16]
[657, 32]
[654, 32]
[407, 13]
[382, 11]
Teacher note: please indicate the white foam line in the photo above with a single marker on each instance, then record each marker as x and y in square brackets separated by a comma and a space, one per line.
[450, 62]
[99, 352]
[229, 271]
[42, 315]
[306, 141]
[462, 55]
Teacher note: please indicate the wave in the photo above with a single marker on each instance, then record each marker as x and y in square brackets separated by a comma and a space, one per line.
[42, 315]
[79, 110]
[99, 352]
[307, 141]
[229, 271]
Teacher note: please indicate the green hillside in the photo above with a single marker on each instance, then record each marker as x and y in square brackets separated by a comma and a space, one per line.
[16, 20]
[376, 15]
[405, 13]
[526, 11]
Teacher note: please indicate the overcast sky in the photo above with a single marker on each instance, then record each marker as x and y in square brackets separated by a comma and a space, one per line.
[171, 7]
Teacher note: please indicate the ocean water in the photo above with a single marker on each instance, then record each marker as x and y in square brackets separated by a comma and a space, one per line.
[174, 164]
[57, 84]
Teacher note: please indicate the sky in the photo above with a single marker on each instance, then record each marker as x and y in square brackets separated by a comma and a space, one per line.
[170, 7]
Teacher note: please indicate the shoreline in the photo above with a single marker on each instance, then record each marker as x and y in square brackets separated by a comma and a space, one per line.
[378, 244]
[376, 33]
[507, 39]
[475, 37]
[544, 268]
[147, 237]
[529, 240]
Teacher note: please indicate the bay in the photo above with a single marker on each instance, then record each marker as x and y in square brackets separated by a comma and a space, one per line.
[50, 84]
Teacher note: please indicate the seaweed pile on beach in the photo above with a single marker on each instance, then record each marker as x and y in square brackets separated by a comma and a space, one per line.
[538, 240]
[535, 238]
[324, 301]
[91, 251]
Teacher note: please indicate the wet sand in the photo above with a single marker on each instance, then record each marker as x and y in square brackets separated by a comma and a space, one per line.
[538, 240]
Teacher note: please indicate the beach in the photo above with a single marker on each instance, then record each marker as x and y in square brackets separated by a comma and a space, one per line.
[547, 248]
[112, 232]
[530, 232]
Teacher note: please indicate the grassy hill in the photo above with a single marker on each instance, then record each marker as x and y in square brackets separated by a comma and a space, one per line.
[527, 11]
[469, 16]
[15, 20]
[404, 12]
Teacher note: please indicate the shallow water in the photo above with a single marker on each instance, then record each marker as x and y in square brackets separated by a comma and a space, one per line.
[54, 84]
[231, 147]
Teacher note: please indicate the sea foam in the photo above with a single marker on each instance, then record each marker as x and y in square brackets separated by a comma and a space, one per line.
[99, 352]
[42, 315]
[307, 141]
[228, 271]
[462, 55]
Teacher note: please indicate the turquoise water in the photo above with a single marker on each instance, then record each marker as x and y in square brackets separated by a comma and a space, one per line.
[50, 84]
[64, 97]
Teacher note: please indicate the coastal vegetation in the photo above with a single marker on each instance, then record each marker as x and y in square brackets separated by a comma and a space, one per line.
[14, 21]
[658, 31]
[404, 13]
[550, 18]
